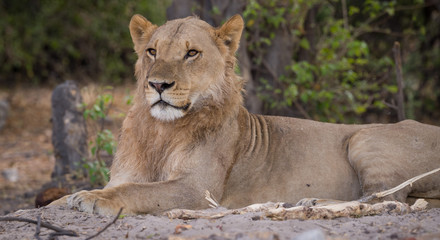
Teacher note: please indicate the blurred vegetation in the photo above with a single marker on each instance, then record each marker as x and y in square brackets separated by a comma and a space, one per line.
[104, 141]
[49, 41]
[342, 67]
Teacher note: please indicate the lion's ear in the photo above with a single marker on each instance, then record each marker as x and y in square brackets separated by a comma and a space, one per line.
[141, 31]
[230, 32]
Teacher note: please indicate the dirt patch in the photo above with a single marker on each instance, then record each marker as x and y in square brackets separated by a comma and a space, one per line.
[25, 148]
[26, 152]
[419, 225]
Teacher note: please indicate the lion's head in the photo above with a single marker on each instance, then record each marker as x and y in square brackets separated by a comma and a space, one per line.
[185, 65]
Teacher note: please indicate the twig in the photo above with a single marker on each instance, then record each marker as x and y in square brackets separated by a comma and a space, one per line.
[37, 230]
[301, 109]
[397, 188]
[212, 201]
[399, 79]
[58, 230]
[344, 14]
[107, 226]
[390, 105]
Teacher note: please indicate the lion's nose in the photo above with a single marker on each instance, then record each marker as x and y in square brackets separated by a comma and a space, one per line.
[160, 86]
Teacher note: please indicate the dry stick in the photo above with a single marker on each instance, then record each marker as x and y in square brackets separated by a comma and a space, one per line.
[399, 79]
[397, 188]
[38, 228]
[43, 224]
[107, 226]
[212, 201]
[344, 14]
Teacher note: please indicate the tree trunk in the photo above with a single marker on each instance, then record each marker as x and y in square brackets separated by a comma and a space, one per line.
[69, 133]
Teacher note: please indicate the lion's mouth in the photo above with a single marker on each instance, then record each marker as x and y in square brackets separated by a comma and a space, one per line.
[162, 104]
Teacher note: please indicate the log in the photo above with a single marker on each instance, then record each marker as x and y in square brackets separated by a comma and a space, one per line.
[283, 211]
[345, 209]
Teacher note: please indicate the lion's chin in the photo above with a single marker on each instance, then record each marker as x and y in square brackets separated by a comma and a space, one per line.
[165, 112]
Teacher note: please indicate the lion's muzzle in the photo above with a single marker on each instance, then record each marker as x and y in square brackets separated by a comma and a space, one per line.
[160, 86]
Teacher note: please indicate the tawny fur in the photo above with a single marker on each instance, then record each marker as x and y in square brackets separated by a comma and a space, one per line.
[202, 138]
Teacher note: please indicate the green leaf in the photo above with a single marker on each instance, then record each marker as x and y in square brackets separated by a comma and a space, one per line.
[215, 10]
[353, 10]
[93, 150]
[304, 97]
[392, 88]
[291, 91]
[390, 11]
[304, 43]
[360, 109]
[379, 104]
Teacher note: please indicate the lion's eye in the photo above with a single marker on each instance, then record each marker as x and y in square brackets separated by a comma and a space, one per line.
[151, 51]
[191, 53]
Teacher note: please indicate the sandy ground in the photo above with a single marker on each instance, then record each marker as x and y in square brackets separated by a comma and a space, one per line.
[418, 225]
[25, 147]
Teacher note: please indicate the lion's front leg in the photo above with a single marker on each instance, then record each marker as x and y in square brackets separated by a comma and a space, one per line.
[103, 202]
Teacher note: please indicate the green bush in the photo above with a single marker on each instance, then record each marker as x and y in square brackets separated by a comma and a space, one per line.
[342, 68]
[45, 41]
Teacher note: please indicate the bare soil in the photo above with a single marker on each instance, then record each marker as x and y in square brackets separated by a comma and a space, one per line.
[25, 141]
[25, 147]
[418, 225]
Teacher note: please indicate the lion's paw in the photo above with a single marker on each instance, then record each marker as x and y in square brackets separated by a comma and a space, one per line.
[94, 202]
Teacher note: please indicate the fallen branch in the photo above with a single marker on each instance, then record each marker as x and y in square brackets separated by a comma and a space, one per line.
[282, 211]
[210, 214]
[346, 209]
[107, 226]
[397, 188]
[59, 231]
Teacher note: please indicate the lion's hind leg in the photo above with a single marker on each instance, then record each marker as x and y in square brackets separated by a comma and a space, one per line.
[375, 167]
[388, 155]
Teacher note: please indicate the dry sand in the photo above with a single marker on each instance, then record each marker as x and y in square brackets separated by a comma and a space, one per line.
[418, 225]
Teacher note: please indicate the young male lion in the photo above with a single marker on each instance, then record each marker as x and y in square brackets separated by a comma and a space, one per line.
[188, 132]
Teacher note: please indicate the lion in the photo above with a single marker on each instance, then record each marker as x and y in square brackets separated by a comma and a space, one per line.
[188, 132]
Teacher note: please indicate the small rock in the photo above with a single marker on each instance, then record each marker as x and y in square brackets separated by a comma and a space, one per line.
[315, 234]
[11, 174]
